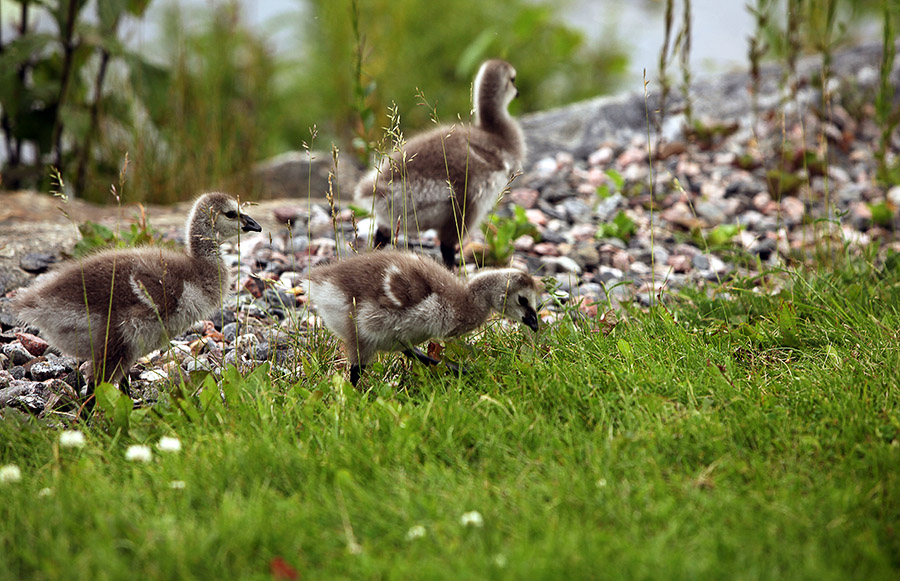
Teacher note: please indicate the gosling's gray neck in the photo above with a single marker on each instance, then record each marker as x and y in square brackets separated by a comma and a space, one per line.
[493, 118]
[201, 241]
[479, 293]
[491, 115]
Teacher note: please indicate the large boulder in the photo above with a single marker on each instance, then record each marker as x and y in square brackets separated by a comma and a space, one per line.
[303, 175]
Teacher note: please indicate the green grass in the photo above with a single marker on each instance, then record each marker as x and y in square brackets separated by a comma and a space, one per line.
[750, 438]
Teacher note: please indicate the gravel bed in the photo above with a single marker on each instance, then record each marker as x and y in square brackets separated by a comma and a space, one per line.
[726, 200]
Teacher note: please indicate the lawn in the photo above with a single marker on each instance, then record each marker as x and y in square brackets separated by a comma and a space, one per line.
[751, 435]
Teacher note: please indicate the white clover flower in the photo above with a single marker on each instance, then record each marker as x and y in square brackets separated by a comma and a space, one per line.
[45, 492]
[138, 453]
[415, 532]
[71, 439]
[169, 444]
[10, 473]
[500, 560]
[177, 485]
[472, 518]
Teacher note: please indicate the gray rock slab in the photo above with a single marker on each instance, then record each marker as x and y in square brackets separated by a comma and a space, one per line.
[301, 174]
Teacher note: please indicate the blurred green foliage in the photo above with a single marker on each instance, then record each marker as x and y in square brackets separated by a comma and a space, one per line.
[792, 27]
[434, 47]
[500, 235]
[54, 104]
[95, 236]
[220, 97]
[618, 184]
[718, 238]
[622, 227]
[212, 108]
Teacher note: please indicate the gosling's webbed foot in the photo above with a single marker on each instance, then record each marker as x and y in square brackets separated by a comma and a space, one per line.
[415, 353]
[458, 369]
[448, 253]
[455, 368]
[355, 371]
[125, 385]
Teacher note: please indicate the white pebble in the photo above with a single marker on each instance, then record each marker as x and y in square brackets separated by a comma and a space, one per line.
[154, 375]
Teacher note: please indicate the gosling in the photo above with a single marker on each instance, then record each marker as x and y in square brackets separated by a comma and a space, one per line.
[117, 305]
[394, 299]
[449, 178]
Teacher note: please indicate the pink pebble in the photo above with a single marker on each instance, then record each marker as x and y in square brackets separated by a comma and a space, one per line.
[32, 343]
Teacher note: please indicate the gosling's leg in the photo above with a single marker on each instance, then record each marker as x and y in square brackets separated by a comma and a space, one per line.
[382, 239]
[355, 371]
[448, 253]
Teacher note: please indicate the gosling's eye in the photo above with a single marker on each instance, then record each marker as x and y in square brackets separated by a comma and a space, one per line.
[231, 214]
[523, 301]
[512, 80]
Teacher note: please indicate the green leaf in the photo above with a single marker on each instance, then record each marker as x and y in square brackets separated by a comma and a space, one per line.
[621, 227]
[46, 76]
[882, 214]
[15, 95]
[93, 236]
[36, 125]
[474, 53]
[122, 412]
[616, 178]
[722, 234]
[107, 395]
[209, 395]
[230, 390]
[110, 12]
[625, 349]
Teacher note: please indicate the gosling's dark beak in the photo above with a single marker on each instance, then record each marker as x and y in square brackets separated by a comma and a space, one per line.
[248, 224]
[531, 319]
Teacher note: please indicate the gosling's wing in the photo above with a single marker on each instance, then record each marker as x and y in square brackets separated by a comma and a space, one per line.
[88, 281]
[405, 285]
[455, 154]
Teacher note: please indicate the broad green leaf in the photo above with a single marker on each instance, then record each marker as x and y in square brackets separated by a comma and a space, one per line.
[616, 178]
[625, 349]
[474, 53]
[122, 412]
[23, 49]
[107, 395]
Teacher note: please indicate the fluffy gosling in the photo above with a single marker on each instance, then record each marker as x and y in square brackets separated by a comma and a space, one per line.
[449, 178]
[393, 300]
[117, 305]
